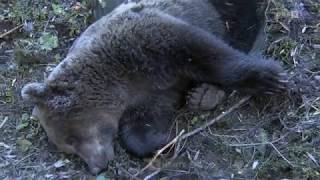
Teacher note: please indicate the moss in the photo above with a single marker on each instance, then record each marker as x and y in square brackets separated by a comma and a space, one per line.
[44, 13]
[22, 11]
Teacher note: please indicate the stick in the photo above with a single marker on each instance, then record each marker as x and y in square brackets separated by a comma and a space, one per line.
[160, 152]
[152, 174]
[2, 144]
[125, 171]
[176, 153]
[281, 155]
[10, 31]
[3, 122]
[218, 118]
[259, 143]
[267, 143]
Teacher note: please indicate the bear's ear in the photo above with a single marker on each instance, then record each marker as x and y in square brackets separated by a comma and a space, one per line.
[34, 92]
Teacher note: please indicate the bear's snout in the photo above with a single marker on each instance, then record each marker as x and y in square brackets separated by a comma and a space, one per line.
[96, 155]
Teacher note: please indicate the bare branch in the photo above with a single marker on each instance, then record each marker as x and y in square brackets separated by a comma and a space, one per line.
[10, 31]
[159, 152]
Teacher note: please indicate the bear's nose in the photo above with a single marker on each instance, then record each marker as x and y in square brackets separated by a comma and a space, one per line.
[96, 169]
[98, 163]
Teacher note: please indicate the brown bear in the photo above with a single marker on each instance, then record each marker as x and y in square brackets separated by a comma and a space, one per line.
[130, 71]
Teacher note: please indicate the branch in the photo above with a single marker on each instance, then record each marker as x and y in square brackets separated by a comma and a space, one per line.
[10, 31]
[159, 152]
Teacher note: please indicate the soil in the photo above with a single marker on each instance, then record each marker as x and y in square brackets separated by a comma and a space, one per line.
[270, 137]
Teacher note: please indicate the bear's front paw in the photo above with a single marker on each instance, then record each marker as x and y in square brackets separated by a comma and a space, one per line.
[204, 97]
[268, 79]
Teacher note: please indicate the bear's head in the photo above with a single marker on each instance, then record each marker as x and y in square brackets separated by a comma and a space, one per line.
[74, 127]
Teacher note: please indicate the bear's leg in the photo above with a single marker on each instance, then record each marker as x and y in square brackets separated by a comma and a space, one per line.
[212, 61]
[146, 127]
[249, 75]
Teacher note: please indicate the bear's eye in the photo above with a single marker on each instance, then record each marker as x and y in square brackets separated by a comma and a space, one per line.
[71, 140]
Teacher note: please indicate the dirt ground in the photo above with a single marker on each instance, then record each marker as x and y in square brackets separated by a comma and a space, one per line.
[269, 137]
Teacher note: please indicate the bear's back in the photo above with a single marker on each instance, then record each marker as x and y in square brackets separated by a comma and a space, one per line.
[117, 42]
[200, 13]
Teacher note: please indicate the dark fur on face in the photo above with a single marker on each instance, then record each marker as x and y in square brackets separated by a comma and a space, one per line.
[129, 69]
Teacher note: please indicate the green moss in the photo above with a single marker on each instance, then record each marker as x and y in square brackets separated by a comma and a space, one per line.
[44, 12]
[22, 11]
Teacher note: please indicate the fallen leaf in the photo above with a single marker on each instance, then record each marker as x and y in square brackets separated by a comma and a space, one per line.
[48, 41]
[23, 145]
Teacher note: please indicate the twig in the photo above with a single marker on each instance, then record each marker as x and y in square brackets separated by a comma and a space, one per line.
[126, 172]
[267, 143]
[284, 158]
[3, 122]
[175, 155]
[10, 31]
[160, 152]
[310, 156]
[218, 118]
[262, 143]
[24, 158]
[152, 174]
[250, 144]
[2, 144]
[47, 23]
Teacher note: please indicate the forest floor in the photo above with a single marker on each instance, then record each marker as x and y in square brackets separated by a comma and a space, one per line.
[275, 137]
